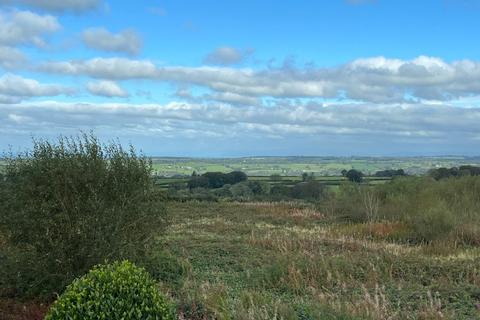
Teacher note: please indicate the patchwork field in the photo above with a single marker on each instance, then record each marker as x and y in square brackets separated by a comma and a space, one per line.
[291, 261]
[295, 166]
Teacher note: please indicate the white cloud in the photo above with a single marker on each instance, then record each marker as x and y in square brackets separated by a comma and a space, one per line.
[11, 58]
[14, 86]
[404, 120]
[127, 41]
[227, 56]
[286, 128]
[107, 68]
[106, 89]
[9, 99]
[56, 5]
[377, 80]
[25, 27]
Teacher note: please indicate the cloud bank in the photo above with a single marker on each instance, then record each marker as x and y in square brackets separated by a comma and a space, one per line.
[374, 80]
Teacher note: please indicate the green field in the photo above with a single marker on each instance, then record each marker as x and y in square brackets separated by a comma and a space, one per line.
[295, 166]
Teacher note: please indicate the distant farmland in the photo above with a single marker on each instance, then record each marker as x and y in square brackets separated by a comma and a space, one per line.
[295, 166]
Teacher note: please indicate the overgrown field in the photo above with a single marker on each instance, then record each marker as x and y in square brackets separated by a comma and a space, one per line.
[293, 261]
[81, 222]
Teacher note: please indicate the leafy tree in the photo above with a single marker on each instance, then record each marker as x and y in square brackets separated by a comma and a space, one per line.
[71, 204]
[307, 176]
[241, 191]
[469, 170]
[235, 177]
[259, 187]
[442, 173]
[198, 182]
[215, 180]
[390, 173]
[354, 175]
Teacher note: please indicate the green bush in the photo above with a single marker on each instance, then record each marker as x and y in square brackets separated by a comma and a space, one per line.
[69, 205]
[310, 190]
[241, 191]
[432, 210]
[434, 223]
[116, 291]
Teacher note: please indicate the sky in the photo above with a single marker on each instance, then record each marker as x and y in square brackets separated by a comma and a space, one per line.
[244, 78]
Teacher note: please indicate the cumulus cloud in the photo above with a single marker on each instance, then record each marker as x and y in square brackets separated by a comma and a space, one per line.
[25, 27]
[407, 124]
[9, 99]
[377, 79]
[106, 89]
[106, 68]
[14, 86]
[56, 5]
[127, 41]
[227, 56]
[11, 58]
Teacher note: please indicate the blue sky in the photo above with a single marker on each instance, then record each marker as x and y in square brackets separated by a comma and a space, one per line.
[239, 78]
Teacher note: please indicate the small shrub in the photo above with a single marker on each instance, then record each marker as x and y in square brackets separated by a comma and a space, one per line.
[433, 223]
[241, 191]
[116, 291]
[310, 190]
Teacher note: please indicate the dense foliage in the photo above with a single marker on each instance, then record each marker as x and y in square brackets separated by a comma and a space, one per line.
[216, 179]
[69, 205]
[354, 175]
[113, 292]
[444, 210]
[390, 173]
[466, 170]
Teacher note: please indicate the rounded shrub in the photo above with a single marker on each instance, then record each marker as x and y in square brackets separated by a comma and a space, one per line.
[115, 291]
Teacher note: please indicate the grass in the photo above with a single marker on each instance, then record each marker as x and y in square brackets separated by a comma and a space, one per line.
[290, 261]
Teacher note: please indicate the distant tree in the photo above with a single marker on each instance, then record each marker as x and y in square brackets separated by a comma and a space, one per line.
[259, 187]
[308, 190]
[280, 191]
[469, 170]
[235, 177]
[307, 176]
[197, 182]
[442, 173]
[354, 175]
[215, 179]
[344, 172]
[465, 170]
[241, 191]
[390, 173]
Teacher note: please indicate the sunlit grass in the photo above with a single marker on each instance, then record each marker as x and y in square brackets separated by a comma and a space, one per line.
[289, 261]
